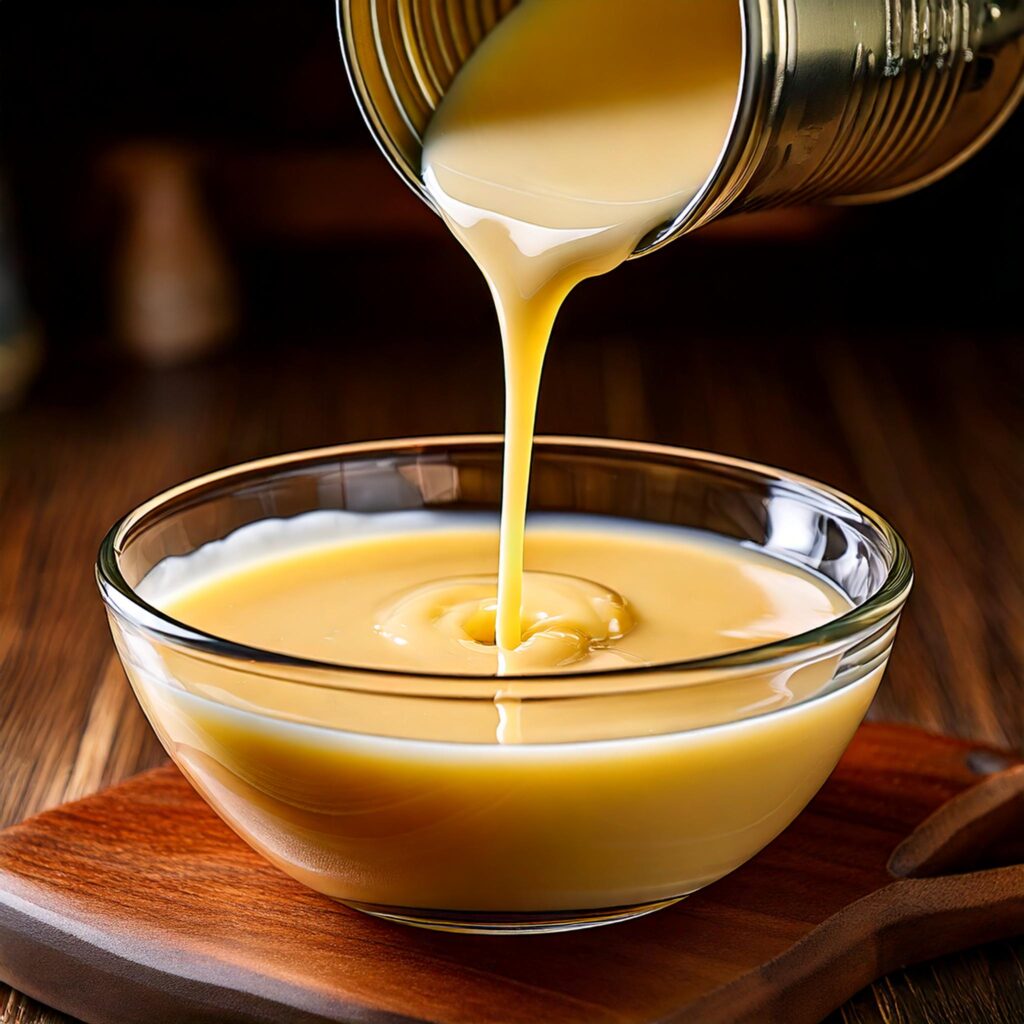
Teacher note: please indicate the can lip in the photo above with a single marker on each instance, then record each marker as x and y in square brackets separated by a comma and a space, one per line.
[368, 111]
[756, 92]
[123, 601]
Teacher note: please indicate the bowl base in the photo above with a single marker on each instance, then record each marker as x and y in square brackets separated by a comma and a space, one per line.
[495, 923]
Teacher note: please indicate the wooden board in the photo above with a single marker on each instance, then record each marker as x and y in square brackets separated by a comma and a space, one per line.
[139, 905]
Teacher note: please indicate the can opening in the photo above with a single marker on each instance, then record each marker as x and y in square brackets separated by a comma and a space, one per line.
[402, 55]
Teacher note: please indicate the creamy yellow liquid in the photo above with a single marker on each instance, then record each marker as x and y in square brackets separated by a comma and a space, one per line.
[696, 596]
[543, 794]
[575, 129]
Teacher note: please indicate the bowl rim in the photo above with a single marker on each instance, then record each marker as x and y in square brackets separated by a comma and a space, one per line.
[122, 600]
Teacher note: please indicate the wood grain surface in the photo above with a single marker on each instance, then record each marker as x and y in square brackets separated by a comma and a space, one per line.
[140, 906]
[920, 417]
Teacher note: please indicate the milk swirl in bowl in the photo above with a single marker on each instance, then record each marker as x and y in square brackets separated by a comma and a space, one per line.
[470, 800]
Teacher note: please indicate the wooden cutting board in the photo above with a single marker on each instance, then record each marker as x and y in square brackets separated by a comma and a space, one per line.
[139, 905]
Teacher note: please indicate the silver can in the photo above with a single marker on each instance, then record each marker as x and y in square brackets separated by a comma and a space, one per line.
[845, 100]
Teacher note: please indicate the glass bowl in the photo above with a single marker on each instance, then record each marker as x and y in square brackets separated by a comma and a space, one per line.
[629, 789]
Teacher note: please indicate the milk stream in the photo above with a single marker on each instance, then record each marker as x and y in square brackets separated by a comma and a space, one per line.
[575, 129]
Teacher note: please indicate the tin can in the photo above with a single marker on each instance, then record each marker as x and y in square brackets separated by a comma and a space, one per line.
[849, 100]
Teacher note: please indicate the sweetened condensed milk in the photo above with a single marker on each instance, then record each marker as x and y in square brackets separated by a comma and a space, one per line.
[577, 129]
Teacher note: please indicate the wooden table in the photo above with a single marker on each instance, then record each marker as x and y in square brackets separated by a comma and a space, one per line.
[922, 423]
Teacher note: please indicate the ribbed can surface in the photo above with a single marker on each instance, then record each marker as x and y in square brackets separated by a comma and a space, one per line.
[869, 89]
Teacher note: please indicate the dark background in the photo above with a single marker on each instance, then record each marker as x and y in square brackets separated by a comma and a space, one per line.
[325, 238]
[877, 348]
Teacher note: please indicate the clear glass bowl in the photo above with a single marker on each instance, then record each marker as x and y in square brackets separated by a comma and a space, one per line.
[631, 788]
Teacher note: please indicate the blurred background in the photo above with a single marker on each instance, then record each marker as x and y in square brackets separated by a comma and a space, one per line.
[203, 259]
[182, 179]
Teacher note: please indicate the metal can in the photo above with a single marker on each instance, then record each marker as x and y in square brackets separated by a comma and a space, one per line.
[849, 101]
